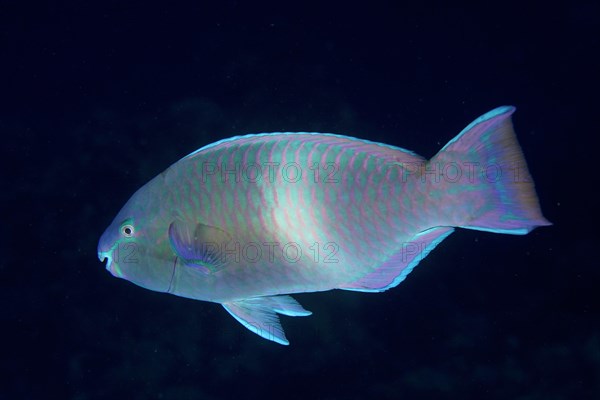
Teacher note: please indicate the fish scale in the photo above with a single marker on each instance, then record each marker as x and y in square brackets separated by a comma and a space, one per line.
[285, 216]
[246, 221]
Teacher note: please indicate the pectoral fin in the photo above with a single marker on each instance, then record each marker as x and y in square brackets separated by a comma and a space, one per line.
[199, 246]
[259, 314]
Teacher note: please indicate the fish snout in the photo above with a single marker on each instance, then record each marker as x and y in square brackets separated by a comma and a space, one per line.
[105, 250]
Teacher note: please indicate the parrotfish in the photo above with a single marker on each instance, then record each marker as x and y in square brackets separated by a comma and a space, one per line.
[247, 221]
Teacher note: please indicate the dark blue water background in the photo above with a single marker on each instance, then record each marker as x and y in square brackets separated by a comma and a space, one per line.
[98, 99]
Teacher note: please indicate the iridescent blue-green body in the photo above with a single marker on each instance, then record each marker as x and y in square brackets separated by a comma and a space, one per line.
[246, 221]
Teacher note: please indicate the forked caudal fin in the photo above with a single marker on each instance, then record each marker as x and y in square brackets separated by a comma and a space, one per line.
[479, 180]
[496, 192]
[488, 188]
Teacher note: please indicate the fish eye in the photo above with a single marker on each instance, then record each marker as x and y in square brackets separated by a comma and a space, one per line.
[127, 230]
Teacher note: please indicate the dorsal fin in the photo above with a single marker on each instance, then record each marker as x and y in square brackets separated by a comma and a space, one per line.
[389, 153]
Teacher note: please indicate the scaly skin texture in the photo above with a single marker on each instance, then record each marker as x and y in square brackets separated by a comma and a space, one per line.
[307, 215]
[312, 212]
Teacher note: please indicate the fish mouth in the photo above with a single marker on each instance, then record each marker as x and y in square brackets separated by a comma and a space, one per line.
[102, 255]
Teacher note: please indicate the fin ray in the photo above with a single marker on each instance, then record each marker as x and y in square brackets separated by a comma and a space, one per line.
[505, 201]
[259, 315]
[199, 248]
[400, 264]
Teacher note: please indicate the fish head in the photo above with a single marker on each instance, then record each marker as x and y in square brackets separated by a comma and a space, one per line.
[136, 246]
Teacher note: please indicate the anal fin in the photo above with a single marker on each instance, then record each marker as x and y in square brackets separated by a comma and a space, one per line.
[400, 264]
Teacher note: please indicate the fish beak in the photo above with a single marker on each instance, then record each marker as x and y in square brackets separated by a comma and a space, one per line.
[105, 249]
[103, 255]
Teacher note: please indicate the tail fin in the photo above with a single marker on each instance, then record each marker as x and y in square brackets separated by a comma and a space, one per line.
[496, 192]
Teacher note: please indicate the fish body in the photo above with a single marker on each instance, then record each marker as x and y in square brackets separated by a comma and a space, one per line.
[246, 221]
